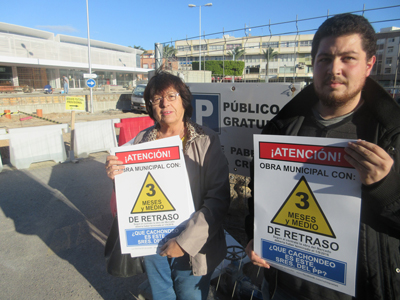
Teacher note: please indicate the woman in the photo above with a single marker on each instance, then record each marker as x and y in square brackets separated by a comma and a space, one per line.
[184, 266]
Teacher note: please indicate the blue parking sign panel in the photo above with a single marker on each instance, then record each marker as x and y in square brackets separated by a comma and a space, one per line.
[91, 83]
[206, 110]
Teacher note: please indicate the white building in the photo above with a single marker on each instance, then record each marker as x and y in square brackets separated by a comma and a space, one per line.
[293, 59]
[387, 57]
[35, 58]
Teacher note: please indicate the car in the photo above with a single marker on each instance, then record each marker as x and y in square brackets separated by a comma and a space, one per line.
[137, 101]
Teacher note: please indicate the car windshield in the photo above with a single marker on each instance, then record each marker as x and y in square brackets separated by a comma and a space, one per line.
[139, 90]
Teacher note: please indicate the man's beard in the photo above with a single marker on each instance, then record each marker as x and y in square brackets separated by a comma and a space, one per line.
[330, 99]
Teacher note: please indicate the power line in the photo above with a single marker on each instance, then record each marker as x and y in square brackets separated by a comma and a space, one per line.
[289, 22]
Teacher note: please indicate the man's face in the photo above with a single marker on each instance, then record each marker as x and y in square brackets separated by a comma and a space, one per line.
[340, 70]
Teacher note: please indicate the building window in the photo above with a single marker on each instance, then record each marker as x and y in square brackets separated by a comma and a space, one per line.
[145, 66]
[251, 45]
[183, 48]
[286, 69]
[196, 48]
[270, 44]
[233, 46]
[391, 40]
[217, 47]
[387, 70]
[390, 50]
[305, 43]
[286, 57]
[272, 71]
[289, 44]
[388, 60]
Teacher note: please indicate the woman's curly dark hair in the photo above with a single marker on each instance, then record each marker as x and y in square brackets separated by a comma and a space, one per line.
[159, 83]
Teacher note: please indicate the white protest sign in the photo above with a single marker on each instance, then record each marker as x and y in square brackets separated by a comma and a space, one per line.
[153, 194]
[307, 201]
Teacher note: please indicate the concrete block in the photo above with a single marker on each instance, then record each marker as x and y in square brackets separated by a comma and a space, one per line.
[95, 136]
[36, 144]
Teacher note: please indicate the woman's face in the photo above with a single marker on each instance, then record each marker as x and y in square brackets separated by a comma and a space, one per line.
[168, 113]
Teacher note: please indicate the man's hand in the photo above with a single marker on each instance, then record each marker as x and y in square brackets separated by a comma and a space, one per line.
[370, 160]
[256, 260]
[172, 249]
[113, 166]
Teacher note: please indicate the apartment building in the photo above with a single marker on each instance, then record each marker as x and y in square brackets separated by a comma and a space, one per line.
[35, 58]
[293, 59]
[386, 69]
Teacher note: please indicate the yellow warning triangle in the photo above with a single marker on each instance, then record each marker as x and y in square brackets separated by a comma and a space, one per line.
[302, 211]
[151, 198]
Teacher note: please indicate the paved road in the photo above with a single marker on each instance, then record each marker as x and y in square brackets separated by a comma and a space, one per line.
[54, 219]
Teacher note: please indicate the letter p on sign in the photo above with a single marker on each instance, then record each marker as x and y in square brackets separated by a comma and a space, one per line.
[206, 110]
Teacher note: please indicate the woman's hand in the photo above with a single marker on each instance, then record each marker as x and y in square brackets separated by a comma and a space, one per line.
[113, 166]
[172, 249]
[255, 259]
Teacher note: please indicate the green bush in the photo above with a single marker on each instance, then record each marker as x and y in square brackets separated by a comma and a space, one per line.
[232, 68]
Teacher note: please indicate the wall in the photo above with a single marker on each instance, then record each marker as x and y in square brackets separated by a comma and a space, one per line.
[56, 103]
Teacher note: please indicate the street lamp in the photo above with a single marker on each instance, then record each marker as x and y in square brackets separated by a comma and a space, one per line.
[199, 6]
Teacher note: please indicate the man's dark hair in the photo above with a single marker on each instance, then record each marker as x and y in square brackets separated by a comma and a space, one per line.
[346, 24]
[159, 83]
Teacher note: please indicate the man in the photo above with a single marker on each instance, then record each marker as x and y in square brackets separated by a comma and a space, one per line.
[344, 103]
[48, 89]
[66, 84]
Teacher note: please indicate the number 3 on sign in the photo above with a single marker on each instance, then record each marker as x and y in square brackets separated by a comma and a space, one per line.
[150, 186]
[304, 199]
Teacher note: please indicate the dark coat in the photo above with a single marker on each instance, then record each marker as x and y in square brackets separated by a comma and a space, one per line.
[378, 271]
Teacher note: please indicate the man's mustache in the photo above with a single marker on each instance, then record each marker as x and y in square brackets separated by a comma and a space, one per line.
[334, 79]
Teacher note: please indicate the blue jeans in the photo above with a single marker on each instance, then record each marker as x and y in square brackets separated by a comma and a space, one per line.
[66, 87]
[172, 279]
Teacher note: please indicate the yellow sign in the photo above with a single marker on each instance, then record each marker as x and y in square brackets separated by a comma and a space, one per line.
[151, 198]
[75, 103]
[302, 211]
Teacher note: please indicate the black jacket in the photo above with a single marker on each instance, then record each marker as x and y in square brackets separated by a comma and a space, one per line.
[378, 271]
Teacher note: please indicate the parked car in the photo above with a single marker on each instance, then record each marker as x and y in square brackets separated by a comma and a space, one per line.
[137, 101]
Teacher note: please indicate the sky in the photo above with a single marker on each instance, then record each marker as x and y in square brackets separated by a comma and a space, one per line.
[144, 23]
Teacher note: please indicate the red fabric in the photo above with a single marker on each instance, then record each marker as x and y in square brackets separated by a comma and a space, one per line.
[130, 127]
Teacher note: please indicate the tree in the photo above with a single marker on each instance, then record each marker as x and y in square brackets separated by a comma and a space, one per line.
[169, 52]
[269, 54]
[237, 53]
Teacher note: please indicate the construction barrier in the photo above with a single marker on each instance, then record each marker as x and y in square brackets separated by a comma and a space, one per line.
[130, 127]
[95, 136]
[7, 113]
[36, 144]
[38, 117]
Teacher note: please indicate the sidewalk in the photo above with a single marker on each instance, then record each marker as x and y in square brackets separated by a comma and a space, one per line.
[54, 221]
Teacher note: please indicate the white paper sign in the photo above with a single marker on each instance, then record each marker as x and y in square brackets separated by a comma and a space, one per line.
[307, 209]
[153, 194]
